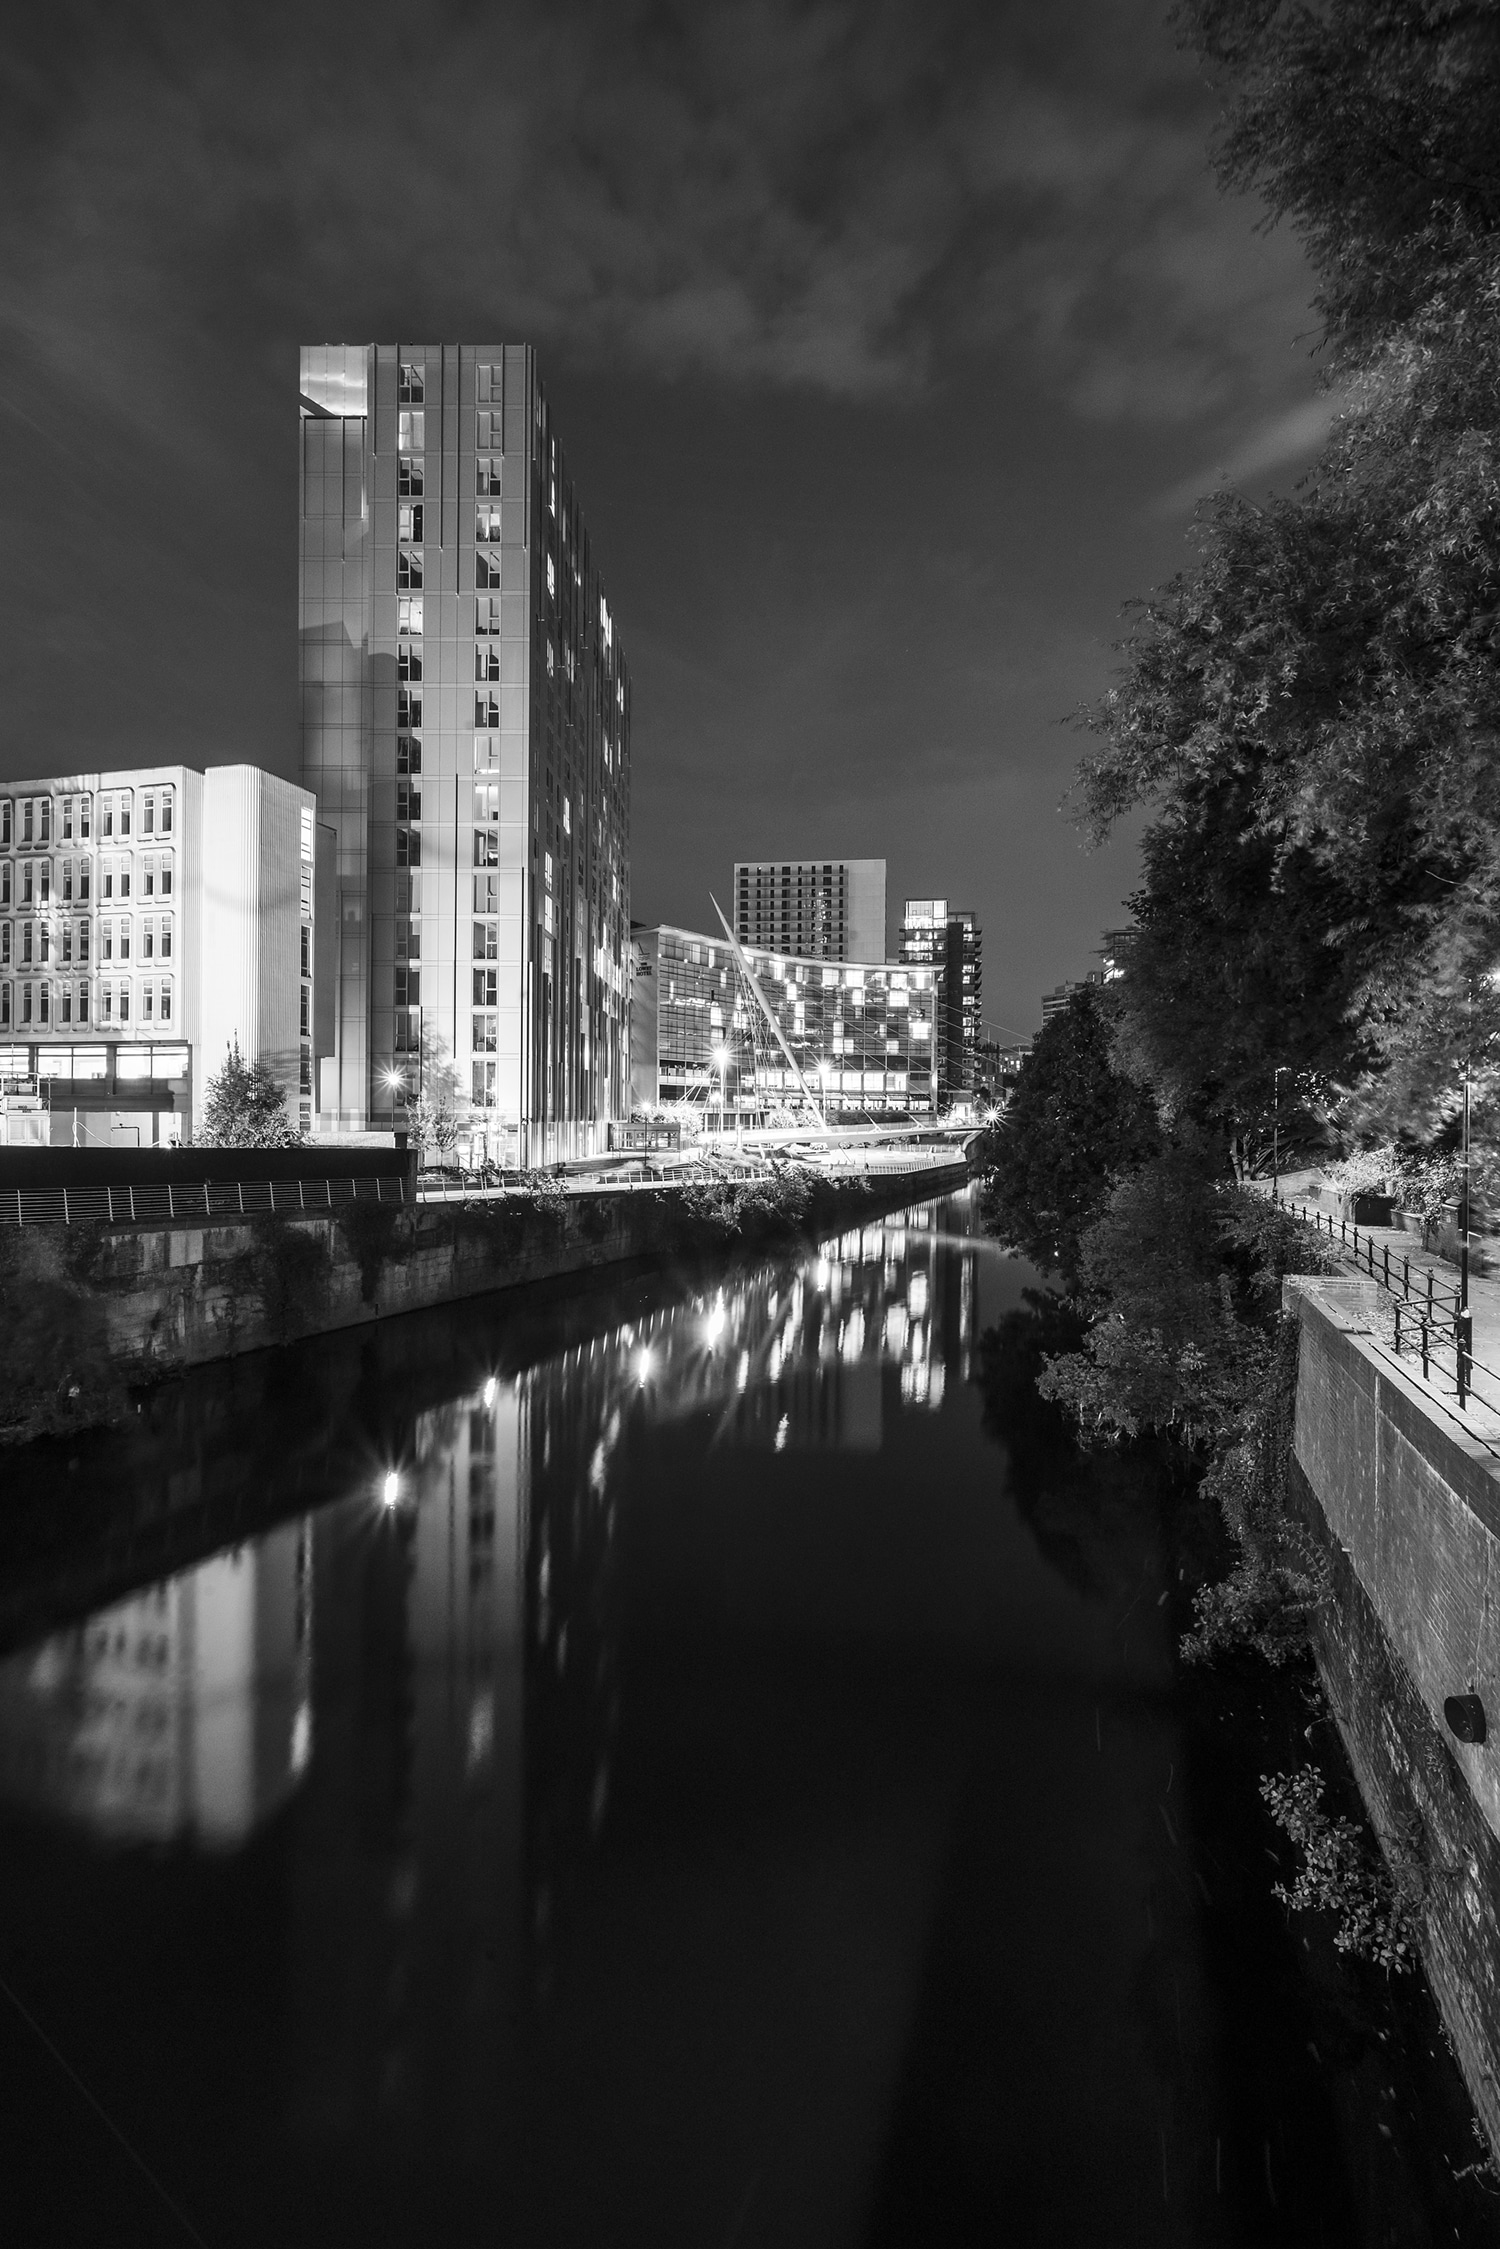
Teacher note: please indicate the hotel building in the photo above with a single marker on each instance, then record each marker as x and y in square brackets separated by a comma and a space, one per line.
[148, 919]
[860, 1033]
[466, 732]
[817, 909]
[948, 940]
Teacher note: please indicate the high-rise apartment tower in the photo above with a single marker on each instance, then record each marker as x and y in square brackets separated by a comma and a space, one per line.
[466, 731]
[819, 909]
[949, 940]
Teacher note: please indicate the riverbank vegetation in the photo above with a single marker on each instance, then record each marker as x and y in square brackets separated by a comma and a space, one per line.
[1309, 720]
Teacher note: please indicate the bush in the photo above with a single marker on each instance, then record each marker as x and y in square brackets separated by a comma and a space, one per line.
[1379, 1909]
[244, 1107]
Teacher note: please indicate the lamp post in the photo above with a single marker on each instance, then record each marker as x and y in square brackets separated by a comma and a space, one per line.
[1283, 1071]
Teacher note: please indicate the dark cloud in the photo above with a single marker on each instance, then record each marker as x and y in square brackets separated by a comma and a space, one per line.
[954, 242]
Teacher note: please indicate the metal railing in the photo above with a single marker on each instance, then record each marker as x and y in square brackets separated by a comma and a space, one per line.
[1432, 1327]
[189, 1199]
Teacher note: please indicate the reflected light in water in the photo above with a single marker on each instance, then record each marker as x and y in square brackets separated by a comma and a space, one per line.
[390, 1490]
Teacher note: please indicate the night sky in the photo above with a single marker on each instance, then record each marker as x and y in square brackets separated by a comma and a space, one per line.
[889, 345]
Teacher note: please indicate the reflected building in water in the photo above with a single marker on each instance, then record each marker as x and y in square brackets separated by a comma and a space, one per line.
[451, 1705]
[184, 1712]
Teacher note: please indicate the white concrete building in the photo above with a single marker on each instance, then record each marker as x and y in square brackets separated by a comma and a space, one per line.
[147, 920]
[817, 909]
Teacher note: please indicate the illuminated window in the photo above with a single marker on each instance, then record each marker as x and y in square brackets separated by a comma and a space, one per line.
[409, 616]
[409, 521]
[487, 660]
[487, 614]
[489, 475]
[411, 433]
[487, 525]
[409, 477]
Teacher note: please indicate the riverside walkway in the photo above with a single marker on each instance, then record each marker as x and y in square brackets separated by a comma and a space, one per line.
[1410, 1288]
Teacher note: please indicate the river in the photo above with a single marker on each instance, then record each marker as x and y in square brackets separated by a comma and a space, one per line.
[685, 1763]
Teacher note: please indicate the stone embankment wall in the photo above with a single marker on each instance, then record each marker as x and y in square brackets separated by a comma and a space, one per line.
[139, 1302]
[1408, 1506]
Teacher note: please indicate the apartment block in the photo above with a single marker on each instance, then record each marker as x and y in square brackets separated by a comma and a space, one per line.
[466, 716]
[948, 940]
[148, 919]
[815, 909]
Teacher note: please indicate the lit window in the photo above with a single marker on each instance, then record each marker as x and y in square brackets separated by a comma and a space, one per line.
[487, 525]
[489, 475]
[487, 614]
[409, 522]
[486, 802]
[408, 569]
[411, 383]
[409, 477]
[409, 616]
[306, 831]
[411, 433]
[486, 569]
[486, 710]
[165, 1011]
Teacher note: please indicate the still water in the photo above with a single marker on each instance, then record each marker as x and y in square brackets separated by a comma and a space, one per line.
[639, 1772]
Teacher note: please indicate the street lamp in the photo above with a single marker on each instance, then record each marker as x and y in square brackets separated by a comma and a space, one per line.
[1276, 1077]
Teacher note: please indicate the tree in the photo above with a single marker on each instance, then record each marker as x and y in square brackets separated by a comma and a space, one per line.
[1073, 1126]
[244, 1107]
[1313, 713]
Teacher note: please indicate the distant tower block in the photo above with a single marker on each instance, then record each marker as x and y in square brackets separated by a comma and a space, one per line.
[949, 940]
[819, 909]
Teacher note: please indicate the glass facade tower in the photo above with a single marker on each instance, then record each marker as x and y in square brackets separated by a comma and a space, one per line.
[948, 940]
[466, 729]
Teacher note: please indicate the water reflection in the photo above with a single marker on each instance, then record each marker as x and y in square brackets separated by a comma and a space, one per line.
[183, 1712]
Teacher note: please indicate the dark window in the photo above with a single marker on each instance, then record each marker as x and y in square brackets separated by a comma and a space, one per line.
[409, 477]
[411, 383]
[409, 660]
[408, 847]
[484, 987]
[408, 804]
[408, 754]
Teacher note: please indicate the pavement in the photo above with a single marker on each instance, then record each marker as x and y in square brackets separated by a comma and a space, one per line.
[1410, 1266]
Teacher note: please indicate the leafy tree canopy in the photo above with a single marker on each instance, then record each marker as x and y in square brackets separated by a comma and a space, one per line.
[1313, 713]
[245, 1107]
[1074, 1124]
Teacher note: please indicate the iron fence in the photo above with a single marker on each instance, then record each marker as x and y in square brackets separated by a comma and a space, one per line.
[1432, 1329]
[189, 1199]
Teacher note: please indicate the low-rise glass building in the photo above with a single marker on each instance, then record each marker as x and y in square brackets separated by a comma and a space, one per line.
[860, 1033]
